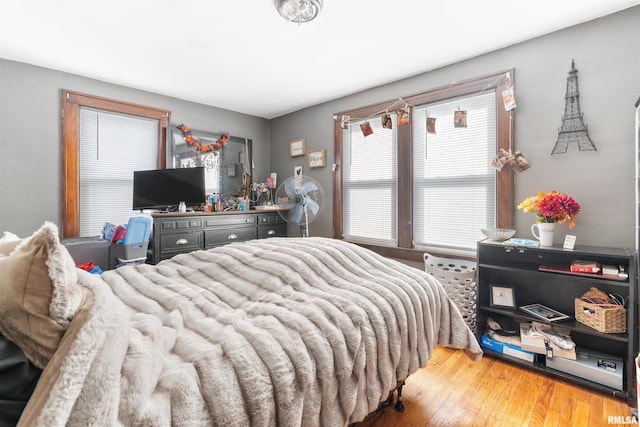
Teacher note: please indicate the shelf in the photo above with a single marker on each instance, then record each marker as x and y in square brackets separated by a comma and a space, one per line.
[571, 324]
[537, 270]
[540, 366]
[566, 269]
[543, 275]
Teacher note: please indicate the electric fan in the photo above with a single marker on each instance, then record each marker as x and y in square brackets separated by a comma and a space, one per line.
[300, 200]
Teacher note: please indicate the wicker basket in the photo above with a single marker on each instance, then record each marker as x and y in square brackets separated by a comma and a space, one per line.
[607, 318]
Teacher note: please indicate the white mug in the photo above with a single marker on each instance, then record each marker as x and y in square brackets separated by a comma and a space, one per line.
[544, 232]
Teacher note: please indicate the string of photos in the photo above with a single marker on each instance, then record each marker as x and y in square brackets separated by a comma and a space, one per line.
[504, 159]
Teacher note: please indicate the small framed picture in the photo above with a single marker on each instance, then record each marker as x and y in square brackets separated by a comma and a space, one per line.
[543, 312]
[317, 158]
[503, 296]
[296, 147]
[297, 173]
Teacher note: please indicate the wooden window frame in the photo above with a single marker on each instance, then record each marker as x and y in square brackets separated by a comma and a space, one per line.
[504, 181]
[71, 104]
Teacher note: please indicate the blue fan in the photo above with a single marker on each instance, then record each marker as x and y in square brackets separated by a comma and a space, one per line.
[300, 200]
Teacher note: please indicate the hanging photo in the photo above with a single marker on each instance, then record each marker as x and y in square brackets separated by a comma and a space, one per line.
[344, 122]
[386, 122]
[460, 119]
[502, 159]
[520, 162]
[431, 125]
[509, 98]
[403, 117]
[365, 127]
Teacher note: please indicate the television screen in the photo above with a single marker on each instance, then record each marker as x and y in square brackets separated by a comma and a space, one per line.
[166, 188]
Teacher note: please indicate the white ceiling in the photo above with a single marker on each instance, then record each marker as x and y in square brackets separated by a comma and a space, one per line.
[242, 56]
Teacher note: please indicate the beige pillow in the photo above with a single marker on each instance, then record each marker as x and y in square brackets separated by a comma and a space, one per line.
[8, 242]
[39, 294]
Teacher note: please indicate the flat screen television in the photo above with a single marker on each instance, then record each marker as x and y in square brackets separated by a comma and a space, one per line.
[164, 189]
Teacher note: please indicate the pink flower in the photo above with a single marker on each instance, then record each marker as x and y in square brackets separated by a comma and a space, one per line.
[552, 207]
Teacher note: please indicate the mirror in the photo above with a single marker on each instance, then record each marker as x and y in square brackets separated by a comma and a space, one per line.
[227, 171]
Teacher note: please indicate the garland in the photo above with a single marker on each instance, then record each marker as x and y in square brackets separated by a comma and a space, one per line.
[194, 143]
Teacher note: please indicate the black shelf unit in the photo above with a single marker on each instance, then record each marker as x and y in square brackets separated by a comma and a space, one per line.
[518, 267]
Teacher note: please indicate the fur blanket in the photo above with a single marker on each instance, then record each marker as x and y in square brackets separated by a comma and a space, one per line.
[275, 332]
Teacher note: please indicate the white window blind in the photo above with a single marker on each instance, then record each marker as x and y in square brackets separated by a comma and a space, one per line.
[369, 182]
[454, 184]
[112, 146]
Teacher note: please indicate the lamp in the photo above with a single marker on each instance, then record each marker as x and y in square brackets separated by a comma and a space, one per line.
[299, 10]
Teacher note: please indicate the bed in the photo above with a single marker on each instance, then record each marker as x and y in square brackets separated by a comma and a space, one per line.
[274, 332]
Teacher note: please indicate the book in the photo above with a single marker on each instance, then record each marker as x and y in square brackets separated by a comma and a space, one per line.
[609, 270]
[585, 266]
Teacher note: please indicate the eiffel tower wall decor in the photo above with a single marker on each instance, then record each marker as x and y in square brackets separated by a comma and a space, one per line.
[573, 128]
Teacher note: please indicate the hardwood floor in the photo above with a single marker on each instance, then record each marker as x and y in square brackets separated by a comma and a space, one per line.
[455, 391]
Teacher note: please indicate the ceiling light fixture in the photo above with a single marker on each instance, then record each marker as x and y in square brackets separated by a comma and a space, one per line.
[299, 10]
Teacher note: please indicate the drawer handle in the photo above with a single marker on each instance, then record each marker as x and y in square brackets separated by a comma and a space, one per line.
[182, 242]
[271, 232]
[232, 237]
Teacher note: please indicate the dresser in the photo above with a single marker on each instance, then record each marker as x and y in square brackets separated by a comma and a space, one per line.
[176, 233]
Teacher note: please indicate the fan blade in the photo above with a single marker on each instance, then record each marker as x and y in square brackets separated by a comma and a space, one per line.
[313, 205]
[306, 187]
[297, 215]
[289, 189]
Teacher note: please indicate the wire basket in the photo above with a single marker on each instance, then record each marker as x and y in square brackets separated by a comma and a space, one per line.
[606, 318]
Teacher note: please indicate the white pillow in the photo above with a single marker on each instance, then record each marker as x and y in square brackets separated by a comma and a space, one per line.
[8, 242]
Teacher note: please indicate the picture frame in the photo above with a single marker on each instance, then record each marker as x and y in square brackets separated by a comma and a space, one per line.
[297, 147]
[317, 158]
[503, 296]
[297, 173]
[543, 312]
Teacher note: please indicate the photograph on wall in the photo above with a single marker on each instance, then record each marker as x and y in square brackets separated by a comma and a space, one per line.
[431, 125]
[366, 129]
[403, 117]
[509, 98]
[460, 119]
[520, 163]
[501, 159]
[387, 123]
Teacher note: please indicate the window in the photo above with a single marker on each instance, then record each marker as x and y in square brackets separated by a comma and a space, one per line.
[453, 180]
[112, 146]
[369, 182]
[445, 187]
[100, 119]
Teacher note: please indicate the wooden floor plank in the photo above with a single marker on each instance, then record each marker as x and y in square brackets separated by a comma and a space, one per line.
[452, 390]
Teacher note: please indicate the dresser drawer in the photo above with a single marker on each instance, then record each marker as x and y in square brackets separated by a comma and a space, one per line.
[508, 254]
[272, 230]
[229, 235]
[180, 242]
[269, 218]
[180, 224]
[231, 219]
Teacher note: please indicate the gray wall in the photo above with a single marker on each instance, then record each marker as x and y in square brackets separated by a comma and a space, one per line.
[31, 137]
[607, 56]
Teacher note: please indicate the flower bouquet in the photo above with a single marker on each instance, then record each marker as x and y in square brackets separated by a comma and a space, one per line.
[552, 207]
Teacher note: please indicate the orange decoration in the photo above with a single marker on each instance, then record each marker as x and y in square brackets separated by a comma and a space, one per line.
[193, 142]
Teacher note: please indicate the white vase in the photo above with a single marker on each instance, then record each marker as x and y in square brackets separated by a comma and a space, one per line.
[544, 232]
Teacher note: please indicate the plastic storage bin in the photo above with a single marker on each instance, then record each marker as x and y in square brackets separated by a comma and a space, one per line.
[458, 278]
[134, 249]
[133, 254]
